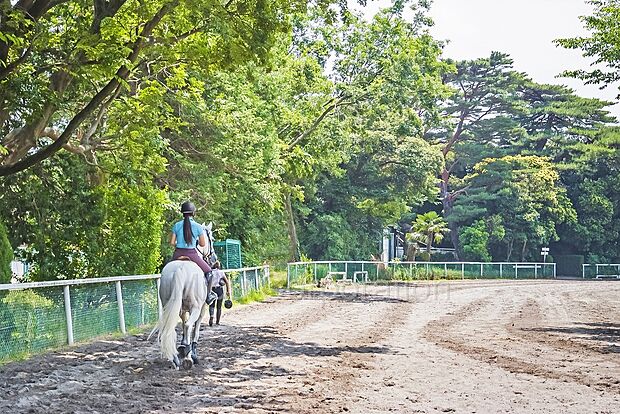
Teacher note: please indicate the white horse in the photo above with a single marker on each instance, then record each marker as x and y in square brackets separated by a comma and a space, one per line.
[183, 293]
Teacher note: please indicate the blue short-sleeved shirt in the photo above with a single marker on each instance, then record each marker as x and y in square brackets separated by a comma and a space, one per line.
[197, 231]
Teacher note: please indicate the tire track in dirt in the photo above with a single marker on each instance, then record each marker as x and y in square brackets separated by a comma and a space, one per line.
[345, 341]
[518, 334]
[324, 352]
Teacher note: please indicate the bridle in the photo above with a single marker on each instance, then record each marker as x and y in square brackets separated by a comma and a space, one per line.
[210, 253]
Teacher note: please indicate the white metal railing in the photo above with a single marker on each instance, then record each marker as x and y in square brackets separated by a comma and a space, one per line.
[600, 270]
[503, 269]
[245, 288]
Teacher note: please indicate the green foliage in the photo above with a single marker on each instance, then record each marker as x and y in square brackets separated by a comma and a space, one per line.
[591, 173]
[287, 117]
[257, 295]
[6, 255]
[525, 192]
[53, 211]
[474, 241]
[387, 78]
[428, 228]
[77, 222]
[131, 230]
[603, 45]
[30, 324]
[424, 256]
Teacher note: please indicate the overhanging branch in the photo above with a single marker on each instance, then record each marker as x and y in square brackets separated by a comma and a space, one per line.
[121, 74]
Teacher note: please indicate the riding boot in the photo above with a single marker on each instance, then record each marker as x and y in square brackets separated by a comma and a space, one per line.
[211, 296]
[211, 321]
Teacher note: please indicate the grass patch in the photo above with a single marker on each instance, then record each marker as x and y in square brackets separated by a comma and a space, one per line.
[257, 295]
[277, 278]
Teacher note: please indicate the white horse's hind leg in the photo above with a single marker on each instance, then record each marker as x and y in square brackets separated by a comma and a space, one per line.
[188, 331]
[196, 335]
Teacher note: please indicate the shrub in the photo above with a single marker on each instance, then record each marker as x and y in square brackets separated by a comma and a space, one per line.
[425, 257]
[474, 240]
[33, 323]
[6, 255]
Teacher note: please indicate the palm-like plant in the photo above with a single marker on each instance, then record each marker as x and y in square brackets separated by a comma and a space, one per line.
[428, 228]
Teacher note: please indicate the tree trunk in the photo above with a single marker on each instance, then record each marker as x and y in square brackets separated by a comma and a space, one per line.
[292, 230]
[523, 250]
[509, 250]
[447, 202]
[412, 249]
[429, 242]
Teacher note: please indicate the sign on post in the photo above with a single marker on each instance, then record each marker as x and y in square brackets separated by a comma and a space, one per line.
[544, 252]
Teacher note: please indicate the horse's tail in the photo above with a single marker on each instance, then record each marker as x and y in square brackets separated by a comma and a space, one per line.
[167, 336]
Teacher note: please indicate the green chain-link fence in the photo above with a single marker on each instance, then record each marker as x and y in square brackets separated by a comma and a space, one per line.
[38, 316]
[307, 273]
[598, 271]
[246, 280]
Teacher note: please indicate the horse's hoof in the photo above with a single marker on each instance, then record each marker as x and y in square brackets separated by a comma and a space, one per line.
[188, 363]
[176, 362]
[195, 360]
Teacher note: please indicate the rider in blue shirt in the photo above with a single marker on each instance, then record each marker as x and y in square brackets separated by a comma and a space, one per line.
[185, 235]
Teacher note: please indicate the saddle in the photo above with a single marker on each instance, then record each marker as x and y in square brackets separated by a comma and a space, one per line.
[186, 258]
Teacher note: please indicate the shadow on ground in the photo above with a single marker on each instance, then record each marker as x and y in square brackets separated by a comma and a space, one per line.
[128, 375]
[341, 296]
[605, 335]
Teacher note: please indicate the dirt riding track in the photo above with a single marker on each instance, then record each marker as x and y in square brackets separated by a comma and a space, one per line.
[462, 347]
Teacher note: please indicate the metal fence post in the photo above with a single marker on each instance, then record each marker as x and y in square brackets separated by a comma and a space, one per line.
[288, 275]
[516, 270]
[445, 270]
[314, 274]
[256, 282]
[68, 314]
[480, 270]
[346, 270]
[463, 271]
[121, 310]
[243, 284]
[535, 271]
[160, 308]
[501, 273]
[554, 270]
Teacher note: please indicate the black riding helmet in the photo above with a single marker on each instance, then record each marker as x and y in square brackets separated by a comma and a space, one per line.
[188, 207]
[228, 304]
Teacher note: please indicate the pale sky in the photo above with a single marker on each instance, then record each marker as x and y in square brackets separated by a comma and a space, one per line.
[525, 29]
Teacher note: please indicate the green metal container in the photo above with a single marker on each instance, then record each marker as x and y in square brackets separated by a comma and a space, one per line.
[229, 253]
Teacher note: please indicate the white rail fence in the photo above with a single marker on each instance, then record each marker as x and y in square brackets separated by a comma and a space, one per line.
[300, 273]
[600, 271]
[42, 315]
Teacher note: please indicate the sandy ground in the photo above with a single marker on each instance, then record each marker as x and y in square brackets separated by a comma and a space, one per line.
[458, 347]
